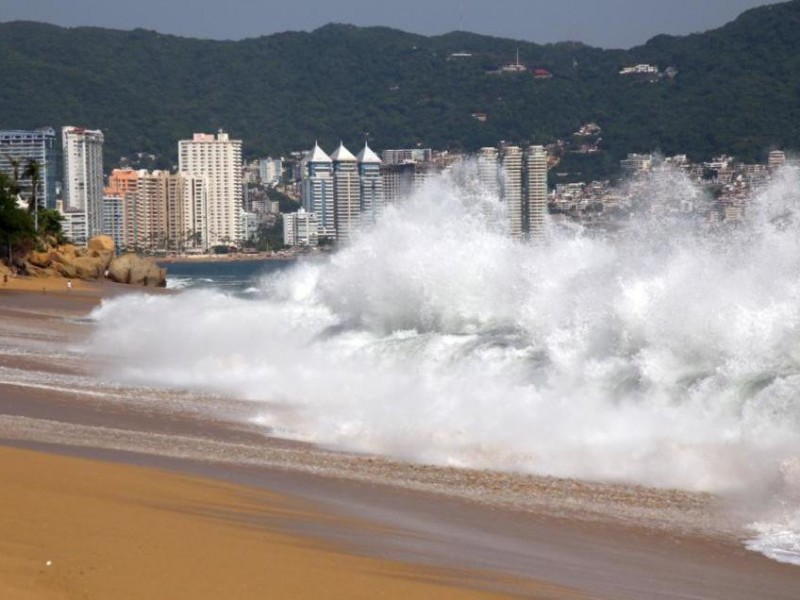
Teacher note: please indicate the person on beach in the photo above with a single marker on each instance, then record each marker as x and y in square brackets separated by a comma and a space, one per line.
[69, 284]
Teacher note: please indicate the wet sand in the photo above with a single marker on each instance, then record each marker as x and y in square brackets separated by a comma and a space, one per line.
[607, 541]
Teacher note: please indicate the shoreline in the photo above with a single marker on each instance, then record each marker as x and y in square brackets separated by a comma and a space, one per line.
[517, 526]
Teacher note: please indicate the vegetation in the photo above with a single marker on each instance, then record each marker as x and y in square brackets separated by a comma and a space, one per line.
[735, 91]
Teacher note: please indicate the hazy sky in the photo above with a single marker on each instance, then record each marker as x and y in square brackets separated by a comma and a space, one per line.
[606, 23]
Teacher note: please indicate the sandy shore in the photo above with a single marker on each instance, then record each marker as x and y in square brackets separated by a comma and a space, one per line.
[73, 528]
[492, 531]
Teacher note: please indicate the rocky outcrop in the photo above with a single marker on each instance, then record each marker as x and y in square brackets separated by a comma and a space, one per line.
[93, 262]
[135, 270]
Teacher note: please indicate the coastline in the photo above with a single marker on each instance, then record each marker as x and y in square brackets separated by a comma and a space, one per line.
[559, 531]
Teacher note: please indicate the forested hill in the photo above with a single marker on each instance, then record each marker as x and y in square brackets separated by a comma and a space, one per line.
[736, 90]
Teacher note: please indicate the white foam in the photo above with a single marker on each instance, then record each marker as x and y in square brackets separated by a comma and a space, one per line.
[660, 357]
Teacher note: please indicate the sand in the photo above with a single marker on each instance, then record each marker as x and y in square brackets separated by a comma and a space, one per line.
[72, 528]
[247, 510]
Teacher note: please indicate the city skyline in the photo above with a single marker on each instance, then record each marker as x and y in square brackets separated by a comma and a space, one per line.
[610, 24]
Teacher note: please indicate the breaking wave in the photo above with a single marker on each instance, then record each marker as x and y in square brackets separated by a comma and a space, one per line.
[664, 355]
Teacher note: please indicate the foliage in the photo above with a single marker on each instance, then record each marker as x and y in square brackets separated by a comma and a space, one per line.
[16, 225]
[735, 92]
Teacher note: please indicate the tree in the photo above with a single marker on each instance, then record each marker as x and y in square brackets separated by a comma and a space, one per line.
[16, 226]
[33, 172]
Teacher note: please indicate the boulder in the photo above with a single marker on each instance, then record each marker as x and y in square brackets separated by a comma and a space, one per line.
[40, 259]
[136, 270]
[88, 267]
[65, 269]
[101, 244]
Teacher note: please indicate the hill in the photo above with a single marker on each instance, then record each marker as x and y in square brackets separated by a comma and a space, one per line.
[735, 91]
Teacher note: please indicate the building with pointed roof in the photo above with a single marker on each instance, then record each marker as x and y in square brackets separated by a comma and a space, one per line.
[317, 190]
[346, 193]
[373, 199]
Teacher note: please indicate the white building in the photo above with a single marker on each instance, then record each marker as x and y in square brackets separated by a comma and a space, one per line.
[511, 188]
[74, 227]
[218, 161]
[300, 229]
[346, 193]
[536, 191]
[488, 172]
[83, 175]
[317, 190]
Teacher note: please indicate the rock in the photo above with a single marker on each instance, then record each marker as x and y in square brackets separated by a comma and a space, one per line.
[65, 269]
[67, 251]
[40, 259]
[136, 270]
[88, 267]
[101, 244]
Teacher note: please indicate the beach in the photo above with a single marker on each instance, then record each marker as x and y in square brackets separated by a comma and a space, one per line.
[138, 493]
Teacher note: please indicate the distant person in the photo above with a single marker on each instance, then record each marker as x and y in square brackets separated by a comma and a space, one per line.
[69, 284]
[5, 278]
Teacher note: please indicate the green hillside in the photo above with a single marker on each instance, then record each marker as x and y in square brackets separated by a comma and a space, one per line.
[736, 90]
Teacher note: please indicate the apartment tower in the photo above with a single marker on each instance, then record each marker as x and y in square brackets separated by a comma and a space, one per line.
[20, 147]
[373, 199]
[511, 189]
[536, 191]
[346, 193]
[217, 161]
[83, 176]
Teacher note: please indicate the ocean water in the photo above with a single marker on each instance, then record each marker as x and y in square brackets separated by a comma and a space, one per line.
[667, 355]
[238, 277]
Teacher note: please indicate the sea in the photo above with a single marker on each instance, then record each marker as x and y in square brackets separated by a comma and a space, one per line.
[666, 355]
[237, 277]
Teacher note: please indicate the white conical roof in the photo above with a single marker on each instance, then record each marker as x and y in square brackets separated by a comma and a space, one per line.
[368, 156]
[342, 154]
[318, 155]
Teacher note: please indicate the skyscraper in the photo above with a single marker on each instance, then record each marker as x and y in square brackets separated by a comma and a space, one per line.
[488, 170]
[372, 194]
[23, 146]
[511, 188]
[346, 193]
[218, 162]
[83, 175]
[317, 189]
[536, 191]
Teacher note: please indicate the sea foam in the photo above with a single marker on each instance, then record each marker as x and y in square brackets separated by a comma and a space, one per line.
[666, 355]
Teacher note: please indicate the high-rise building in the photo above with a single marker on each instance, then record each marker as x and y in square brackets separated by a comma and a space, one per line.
[83, 175]
[346, 193]
[511, 189]
[317, 190]
[20, 147]
[114, 220]
[398, 180]
[372, 195]
[218, 162]
[536, 191]
[488, 173]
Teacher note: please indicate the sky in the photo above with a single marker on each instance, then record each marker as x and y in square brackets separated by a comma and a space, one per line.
[604, 23]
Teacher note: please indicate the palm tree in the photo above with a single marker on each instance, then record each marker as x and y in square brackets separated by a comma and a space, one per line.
[14, 183]
[33, 171]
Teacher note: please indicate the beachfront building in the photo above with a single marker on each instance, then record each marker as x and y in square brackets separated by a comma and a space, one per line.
[317, 190]
[488, 173]
[18, 148]
[511, 188]
[217, 161]
[372, 198]
[83, 175]
[300, 229]
[346, 193]
[536, 191]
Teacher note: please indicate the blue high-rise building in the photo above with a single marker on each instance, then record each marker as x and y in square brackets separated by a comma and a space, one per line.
[22, 146]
